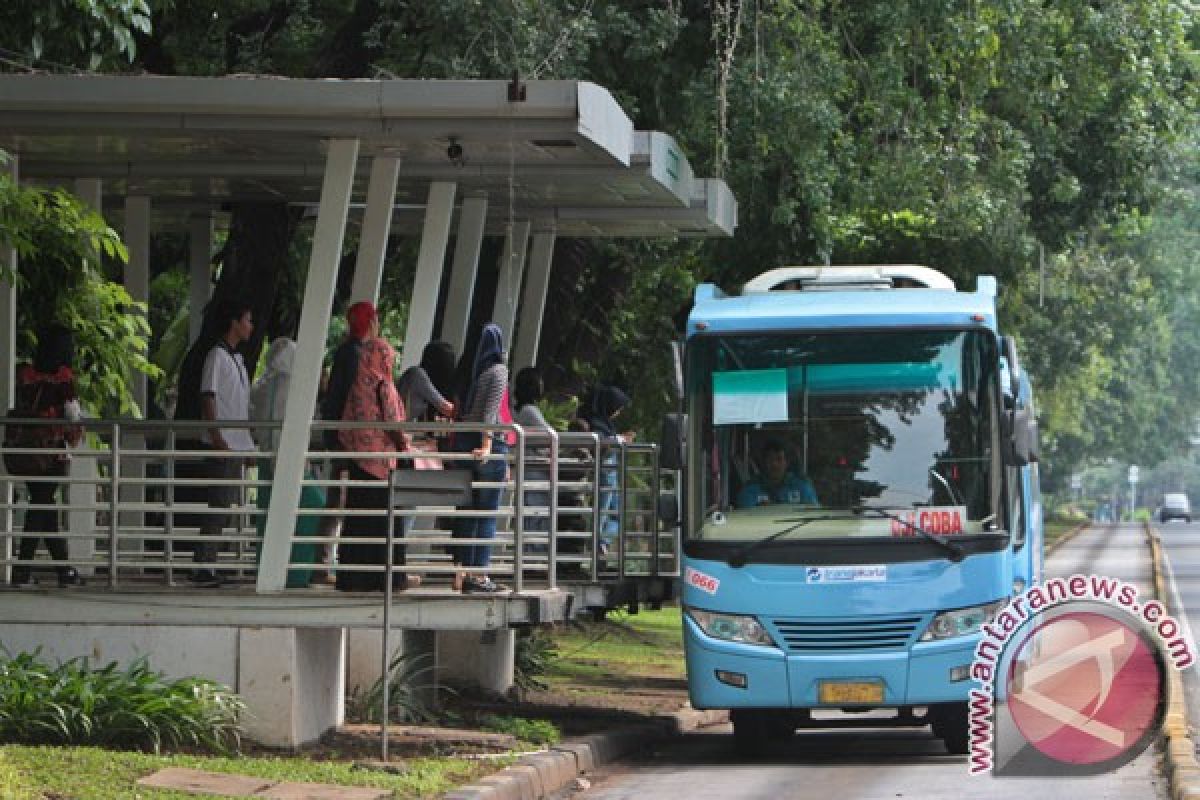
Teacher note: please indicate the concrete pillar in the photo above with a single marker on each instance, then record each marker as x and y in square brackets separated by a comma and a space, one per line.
[200, 236]
[461, 293]
[292, 679]
[481, 659]
[533, 301]
[8, 368]
[377, 223]
[330, 232]
[364, 656]
[431, 261]
[508, 287]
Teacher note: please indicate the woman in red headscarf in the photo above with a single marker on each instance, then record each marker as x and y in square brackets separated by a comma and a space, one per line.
[372, 398]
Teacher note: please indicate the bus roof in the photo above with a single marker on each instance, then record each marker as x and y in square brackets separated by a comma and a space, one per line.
[715, 312]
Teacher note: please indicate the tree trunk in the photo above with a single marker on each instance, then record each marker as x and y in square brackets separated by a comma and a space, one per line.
[253, 263]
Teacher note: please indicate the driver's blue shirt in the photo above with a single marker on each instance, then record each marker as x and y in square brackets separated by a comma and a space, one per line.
[793, 489]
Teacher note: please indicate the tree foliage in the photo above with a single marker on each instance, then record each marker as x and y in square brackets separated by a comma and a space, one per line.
[61, 248]
[1050, 143]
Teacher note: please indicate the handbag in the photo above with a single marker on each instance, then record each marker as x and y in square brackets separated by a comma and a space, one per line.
[425, 445]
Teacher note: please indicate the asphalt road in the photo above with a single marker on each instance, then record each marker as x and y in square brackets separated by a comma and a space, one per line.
[878, 763]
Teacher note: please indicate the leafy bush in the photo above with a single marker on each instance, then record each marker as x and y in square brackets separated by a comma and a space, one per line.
[535, 731]
[133, 707]
[412, 695]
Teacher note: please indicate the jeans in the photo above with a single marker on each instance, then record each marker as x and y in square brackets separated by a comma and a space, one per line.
[493, 471]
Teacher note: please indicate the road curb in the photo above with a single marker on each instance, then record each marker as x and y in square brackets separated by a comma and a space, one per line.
[1179, 751]
[539, 775]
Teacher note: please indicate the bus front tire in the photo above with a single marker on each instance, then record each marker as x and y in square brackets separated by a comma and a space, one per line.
[949, 723]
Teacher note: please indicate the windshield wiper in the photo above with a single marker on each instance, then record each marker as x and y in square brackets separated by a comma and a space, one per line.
[953, 494]
[738, 559]
[956, 553]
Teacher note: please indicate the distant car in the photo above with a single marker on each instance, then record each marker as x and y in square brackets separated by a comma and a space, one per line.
[1175, 506]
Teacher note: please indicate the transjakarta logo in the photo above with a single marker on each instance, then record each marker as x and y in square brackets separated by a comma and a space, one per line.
[1072, 679]
[865, 574]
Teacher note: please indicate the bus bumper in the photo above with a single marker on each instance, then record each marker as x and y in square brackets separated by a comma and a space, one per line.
[730, 675]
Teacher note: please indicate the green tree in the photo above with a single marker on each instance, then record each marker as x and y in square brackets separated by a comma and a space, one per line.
[61, 247]
[83, 34]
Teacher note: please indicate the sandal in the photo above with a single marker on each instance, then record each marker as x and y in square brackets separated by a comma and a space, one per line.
[483, 585]
[456, 581]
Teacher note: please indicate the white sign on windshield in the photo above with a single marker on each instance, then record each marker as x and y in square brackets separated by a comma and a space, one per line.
[751, 395]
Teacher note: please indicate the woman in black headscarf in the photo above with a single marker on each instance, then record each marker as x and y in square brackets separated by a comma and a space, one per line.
[486, 393]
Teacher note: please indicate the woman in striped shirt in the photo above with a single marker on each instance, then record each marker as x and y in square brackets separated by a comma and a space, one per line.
[487, 392]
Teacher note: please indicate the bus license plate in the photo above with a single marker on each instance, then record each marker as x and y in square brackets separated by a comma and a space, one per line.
[838, 692]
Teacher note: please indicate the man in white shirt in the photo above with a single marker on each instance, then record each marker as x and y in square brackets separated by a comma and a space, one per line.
[224, 396]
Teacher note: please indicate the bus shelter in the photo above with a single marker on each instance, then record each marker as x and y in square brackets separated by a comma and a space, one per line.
[450, 162]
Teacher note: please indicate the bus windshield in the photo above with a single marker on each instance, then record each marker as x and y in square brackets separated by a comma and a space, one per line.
[801, 436]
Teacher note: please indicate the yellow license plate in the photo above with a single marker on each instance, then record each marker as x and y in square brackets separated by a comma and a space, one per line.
[839, 692]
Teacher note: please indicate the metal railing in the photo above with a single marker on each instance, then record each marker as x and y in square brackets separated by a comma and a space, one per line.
[136, 499]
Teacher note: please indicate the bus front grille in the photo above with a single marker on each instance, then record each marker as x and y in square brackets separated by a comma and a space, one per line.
[817, 636]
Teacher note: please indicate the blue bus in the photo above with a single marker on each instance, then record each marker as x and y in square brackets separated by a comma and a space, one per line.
[860, 495]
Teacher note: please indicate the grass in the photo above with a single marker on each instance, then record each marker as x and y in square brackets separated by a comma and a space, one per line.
[648, 644]
[1055, 529]
[90, 773]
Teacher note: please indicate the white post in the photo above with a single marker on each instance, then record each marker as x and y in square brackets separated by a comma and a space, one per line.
[330, 231]
[461, 292]
[8, 311]
[8, 366]
[431, 261]
[377, 223]
[508, 286]
[200, 235]
[91, 192]
[137, 272]
[533, 300]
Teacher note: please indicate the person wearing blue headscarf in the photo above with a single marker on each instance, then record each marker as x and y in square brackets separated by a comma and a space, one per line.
[486, 395]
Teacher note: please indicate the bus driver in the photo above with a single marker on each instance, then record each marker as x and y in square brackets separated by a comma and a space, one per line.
[776, 484]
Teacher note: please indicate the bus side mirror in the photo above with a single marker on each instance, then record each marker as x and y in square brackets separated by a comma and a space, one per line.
[1022, 438]
[671, 442]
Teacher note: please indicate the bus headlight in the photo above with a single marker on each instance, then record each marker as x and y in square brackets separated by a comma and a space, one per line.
[961, 621]
[731, 627]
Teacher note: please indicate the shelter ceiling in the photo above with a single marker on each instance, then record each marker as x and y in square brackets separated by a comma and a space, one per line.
[567, 154]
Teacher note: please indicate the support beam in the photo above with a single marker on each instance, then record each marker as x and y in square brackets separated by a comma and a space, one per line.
[377, 223]
[430, 263]
[533, 300]
[137, 273]
[461, 294]
[200, 236]
[508, 286]
[290, 463]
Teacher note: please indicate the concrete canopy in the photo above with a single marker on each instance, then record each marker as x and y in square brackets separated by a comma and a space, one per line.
[565, 155]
